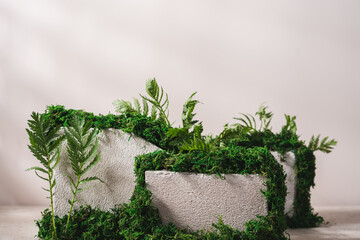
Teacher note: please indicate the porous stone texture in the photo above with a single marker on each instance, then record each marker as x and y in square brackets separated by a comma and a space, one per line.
[288, 162]
[115, 168]
[196, 200]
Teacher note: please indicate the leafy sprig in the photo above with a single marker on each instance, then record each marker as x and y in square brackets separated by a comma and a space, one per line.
[290, 124]
[83, 154]
[324, 145]
[156, 98]
[123, 107]
[45, 144]
[264, 116]
[249, 124]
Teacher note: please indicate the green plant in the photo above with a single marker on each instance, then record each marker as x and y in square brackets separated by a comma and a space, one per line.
[290, 124]
[264, 116]
[324, 145]
[189, 136]
[249, 123]
[227, 160]
[124, 107]
[156, 95]
[45, 144]
[83, 154]
[247, 135]
[151, 130]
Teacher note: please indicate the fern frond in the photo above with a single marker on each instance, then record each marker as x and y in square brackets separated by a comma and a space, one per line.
[82, 149]
[89, 179]
[122, 106]
[156, 95]
[196, 144]
[187, 113]
[91, 164]
[153, 112]
[145, 107]
[45, 145]
[137, 105]
[248, 121]
[264, 116]
[290, 124]
[324, 145]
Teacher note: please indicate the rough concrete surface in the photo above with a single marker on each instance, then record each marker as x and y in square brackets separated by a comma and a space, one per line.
[115, 168]
[288, 164]
[196, 200]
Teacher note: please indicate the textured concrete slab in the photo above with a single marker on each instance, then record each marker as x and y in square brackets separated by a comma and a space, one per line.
[196, 200]
[288, 163]
[115, 168]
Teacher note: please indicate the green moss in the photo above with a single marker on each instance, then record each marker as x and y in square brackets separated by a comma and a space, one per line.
[282, 142]
[153, 131]
[246, 154]
[227, 160]
[140, 220]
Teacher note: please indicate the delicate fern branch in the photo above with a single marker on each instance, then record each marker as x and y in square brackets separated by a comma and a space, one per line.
[122, 106]
[45, 144]
[187, 113]
[188, 137]
[249, 123]
[196, 144]
[83, 154]
[290, 124]
[324, 145]
[231, 132]
[264, 116]
[156, 98]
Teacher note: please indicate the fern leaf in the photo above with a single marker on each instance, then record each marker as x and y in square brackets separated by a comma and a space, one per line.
[188, 109]
[156, 94]
[91, 164]
[122, 106]
[92, 153]
[91, 138]
[38, 169]
[45, 179]
[137, 105]
[89, 179]
[71, 181]
[53, 184]
[324, 146]
[153, 112]
[145, 107]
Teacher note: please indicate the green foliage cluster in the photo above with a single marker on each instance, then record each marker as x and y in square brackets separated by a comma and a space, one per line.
[159, 109]
[140, 220]
[182, 139]
[143, 126]
[83, 155]
[242, 160]
[45, 144]
[247, 135]
[242, 148]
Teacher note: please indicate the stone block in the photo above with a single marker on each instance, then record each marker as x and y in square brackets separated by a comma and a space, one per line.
[115, 168]
[196, 200]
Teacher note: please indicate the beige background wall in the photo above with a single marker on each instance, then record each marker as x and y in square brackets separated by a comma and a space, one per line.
[301, 57]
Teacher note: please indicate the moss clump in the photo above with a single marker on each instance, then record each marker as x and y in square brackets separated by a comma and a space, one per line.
[140, 220]
[241, 160]
[151, 130]
[246, 153]
[282, 142]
